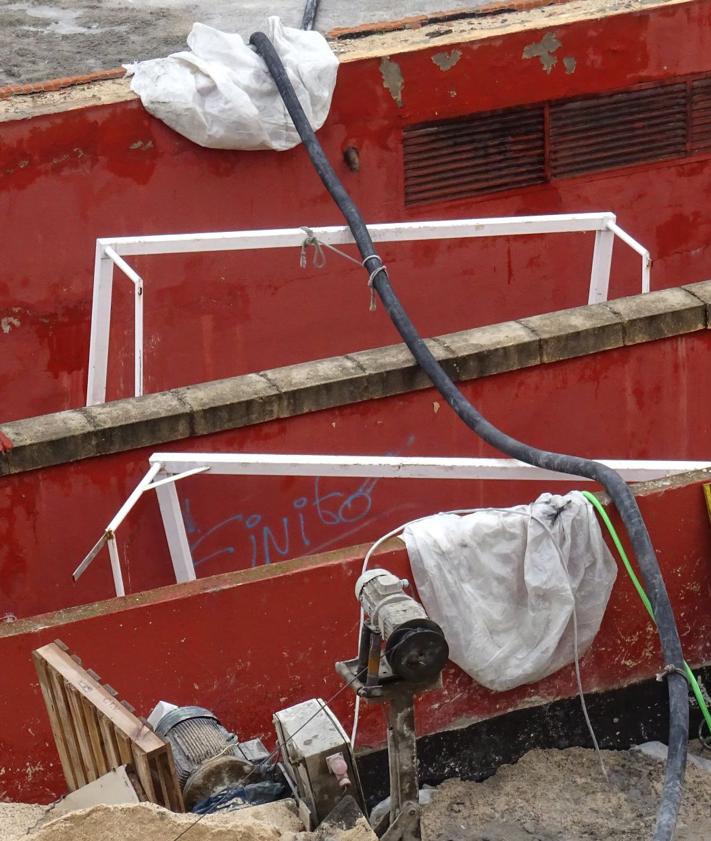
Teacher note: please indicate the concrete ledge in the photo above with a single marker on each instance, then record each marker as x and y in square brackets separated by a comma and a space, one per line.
[702, 291]
[576, 332]
[670, 312]
[205, 408]
[493, 349]
[228, 404]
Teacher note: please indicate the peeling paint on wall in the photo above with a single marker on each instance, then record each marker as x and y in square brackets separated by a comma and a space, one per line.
[392, 79]
[544, 50]
[446, 61]
[569, 63]
[141, 144]
[7, 323]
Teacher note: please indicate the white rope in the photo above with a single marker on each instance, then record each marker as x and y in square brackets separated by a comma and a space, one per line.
[319, 259]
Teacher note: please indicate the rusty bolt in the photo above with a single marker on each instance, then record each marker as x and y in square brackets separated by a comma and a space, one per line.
[352, 158]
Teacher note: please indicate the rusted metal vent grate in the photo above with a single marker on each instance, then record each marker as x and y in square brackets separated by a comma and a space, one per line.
[700, 131]
[483, 153]
[619, 129]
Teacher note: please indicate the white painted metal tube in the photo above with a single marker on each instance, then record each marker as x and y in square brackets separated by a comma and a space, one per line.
[175, 534]
[135, 495]
[600, 272]
[100, 327]
[116, 566]
[117, 260]
[176, 477]
[388, 467]
[138, 339]
[341, 235]
[119, 517]
[639, 248]
[93, 552]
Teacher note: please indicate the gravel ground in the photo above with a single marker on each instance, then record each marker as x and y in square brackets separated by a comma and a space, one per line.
[44, 40]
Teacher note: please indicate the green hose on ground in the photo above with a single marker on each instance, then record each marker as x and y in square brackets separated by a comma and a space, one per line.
[693, 683]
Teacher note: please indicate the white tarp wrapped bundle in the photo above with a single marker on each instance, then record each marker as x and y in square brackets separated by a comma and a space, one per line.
[220, 93]
[509, 586]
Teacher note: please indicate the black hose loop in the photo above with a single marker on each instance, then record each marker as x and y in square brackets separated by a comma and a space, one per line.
[613, 483]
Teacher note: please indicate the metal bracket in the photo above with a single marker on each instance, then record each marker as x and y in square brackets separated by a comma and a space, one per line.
[406, 827]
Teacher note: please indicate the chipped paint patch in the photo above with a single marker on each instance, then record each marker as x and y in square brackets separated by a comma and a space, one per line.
[569, 63]
[392, 79]
[544, 50]
[7, 323]
[446, 61]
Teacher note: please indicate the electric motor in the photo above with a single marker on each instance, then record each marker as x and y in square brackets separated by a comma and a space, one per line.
[415, 647]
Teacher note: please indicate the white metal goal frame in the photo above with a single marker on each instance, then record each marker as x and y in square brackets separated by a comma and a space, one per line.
[166, 469]
[110, 254]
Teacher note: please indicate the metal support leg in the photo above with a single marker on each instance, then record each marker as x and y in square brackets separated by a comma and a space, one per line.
[100, 327]
[402, 760]
[138, 340]
[176, 536]
[602, 260]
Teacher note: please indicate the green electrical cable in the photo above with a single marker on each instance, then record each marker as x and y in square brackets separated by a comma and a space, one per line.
[696, 689]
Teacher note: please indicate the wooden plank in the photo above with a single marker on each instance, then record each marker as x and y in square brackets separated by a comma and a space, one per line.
[108, 737]
[54, 721]
[163, 781]
[97, 745]
[77, 713]
[169, 780]
[124, 748]
[59, 692]
[143, 769]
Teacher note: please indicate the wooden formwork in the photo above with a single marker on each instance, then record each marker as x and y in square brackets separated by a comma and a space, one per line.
[95, 732]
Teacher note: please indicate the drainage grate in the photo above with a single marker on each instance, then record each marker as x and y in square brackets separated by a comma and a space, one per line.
[604, 132]
[482, 153]
[700, 131]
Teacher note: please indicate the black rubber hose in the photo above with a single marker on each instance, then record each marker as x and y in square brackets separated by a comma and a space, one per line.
[310, 12]
[613, 483]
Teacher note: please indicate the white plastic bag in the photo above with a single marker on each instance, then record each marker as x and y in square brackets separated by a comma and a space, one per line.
[220, 93]
[507, 586]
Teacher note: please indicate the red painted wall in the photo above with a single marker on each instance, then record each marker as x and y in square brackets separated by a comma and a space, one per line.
[248, 649]
[66, 179]
[647, 401]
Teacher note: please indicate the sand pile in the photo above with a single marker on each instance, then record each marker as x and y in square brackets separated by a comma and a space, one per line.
[561, 795]
[147, 822]
[548, 795]
[17, 818]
